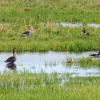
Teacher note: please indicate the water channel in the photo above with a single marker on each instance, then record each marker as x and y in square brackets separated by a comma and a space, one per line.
[48, 62]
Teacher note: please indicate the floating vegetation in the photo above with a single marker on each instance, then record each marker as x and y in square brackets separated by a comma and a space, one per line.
[89, 62]
[84, 62]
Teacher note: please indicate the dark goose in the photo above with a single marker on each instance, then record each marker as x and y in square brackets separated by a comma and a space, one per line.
[12, 59]
[28, 31]
[96, 55]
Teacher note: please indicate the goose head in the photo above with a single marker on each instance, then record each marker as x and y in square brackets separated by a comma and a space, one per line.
[14, 52]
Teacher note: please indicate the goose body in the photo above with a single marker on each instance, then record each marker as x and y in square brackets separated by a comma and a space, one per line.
[11, 59]
[28, 31]
[96, 55]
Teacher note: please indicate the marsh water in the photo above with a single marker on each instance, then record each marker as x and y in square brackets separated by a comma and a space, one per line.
[48, 62]
[67, 24]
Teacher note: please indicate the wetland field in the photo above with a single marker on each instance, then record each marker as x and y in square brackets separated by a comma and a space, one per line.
[53, 62]
[44, 16]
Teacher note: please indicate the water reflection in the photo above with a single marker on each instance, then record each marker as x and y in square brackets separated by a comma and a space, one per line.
[11, 66]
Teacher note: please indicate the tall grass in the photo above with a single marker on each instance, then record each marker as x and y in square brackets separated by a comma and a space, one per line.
[48, 87]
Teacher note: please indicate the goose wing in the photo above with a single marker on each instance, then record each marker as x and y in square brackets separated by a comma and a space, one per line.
[93, 55]
[11, 59]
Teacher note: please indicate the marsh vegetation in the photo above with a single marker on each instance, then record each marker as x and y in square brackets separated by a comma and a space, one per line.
[42, 15]
[84, 62]
[48, 87]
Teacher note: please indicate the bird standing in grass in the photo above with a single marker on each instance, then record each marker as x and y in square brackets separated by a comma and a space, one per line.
[12, 59]
[85, 32]
[28, 31]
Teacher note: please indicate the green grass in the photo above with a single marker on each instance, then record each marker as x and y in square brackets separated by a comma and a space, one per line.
[15, 14]
[47, 87]
[44, 40]
[89, 62]
[85, 62]
[44, 10]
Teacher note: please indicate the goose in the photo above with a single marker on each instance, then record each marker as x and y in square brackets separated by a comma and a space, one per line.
[84, 31]
[96, 55]
[12, 59]
[28, 31]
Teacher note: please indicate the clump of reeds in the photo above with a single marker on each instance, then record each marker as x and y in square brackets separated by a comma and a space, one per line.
[84, 62]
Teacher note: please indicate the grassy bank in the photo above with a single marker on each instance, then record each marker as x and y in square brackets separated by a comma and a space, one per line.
[45, 39]
[15, 14]
[48, 87]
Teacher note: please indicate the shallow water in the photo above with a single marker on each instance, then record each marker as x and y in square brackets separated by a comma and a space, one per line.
[48, 62]
[67, 24]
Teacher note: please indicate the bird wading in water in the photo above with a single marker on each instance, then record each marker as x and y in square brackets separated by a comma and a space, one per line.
[12, 59]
